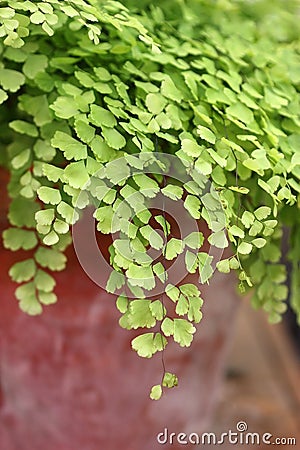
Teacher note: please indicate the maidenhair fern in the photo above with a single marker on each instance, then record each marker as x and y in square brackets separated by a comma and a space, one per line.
[127, 107]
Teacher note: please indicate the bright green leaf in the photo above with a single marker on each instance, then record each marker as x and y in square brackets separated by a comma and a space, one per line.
[141, 276]
[122, 303]
[102, 117]
[223, 266]
[51, 238]
[236, 231]
[68, 213]
[16, 238]
[156, 392]
[23, 271]
[206, 134]
[35, 64]
[72, 148]
[43, 281]
[45, 216]
[172, 292]
[11, 80]
[183, 332]
[140, 314]
[76, 175]
[247, 219]
[49, 195]
[113, 138]
[218, 239]
[155, 103]
[22, 127]
[65, 107]
[21, 159]
[259, 242]
[157, 309]
[50, 258]
[115, 281]
[262, 213]
[170, 380]
[144, 345]
[172, 191]
[47, 298]
[194, 313]
[244, 248]
[191, 148]
[182, 306]
[194, 240]
[192, 205]
[173, 248]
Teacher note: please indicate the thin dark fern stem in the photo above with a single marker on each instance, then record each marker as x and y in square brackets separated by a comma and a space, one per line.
[165, 274]
[164, 256]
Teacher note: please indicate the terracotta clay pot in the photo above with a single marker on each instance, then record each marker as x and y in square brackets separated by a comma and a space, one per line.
[70, 381]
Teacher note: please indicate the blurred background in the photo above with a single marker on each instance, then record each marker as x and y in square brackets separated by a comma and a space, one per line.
[261, 380]
[63, 390]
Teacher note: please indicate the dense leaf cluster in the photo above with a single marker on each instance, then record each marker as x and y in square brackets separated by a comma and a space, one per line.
[86, 84]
